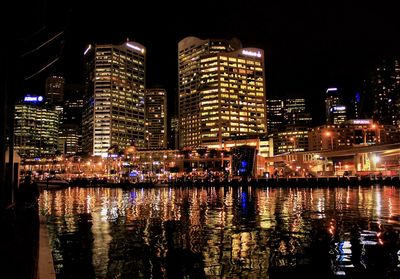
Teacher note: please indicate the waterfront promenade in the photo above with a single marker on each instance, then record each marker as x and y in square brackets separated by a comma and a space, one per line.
[24, 244]
[322, 181]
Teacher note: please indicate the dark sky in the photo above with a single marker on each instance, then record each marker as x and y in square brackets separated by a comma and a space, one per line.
[309, 45]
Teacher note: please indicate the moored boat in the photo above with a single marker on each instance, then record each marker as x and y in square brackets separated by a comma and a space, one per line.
[52, 184]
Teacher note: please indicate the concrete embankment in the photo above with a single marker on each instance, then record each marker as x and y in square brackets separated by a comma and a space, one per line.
[45, 263]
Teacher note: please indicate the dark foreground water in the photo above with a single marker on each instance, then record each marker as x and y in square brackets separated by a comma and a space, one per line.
[224, 232]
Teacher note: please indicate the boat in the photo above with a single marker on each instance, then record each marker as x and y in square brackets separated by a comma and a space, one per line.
[52, 183]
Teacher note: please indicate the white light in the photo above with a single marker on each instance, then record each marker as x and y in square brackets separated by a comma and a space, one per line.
[361, 121]
[331, 89]
[40, 98]
[88, 48]
[376, 159]
[339, 108]
[251, 53]
[135, 47]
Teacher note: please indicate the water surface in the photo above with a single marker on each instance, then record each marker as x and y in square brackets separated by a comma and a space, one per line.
[227, 232]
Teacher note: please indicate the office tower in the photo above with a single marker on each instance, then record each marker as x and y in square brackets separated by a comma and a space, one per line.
[275, 115]
[354, 111]
[336, 111]
[156, 118]
[295, 112]
[221, 91]
[55, 90]
[70, 138]
[174, 133]
[114, 113]
[35, 128]
[385, 86]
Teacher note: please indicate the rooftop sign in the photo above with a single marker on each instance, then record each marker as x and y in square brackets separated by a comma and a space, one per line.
[251, 53]
[33, 99]
[362, 121]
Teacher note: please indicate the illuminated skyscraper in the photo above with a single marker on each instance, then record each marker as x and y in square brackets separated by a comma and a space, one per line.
[35, 127]
[275, 115]
[221, 91]
[114, 110]
[156, 118]
[55, 89]
[336, 111]
[385, 85]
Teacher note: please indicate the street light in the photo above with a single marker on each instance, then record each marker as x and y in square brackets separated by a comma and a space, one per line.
[329, 134]
[293, 139]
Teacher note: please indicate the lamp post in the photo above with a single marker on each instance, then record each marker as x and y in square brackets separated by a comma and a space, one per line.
[330, 134]
[293, 139]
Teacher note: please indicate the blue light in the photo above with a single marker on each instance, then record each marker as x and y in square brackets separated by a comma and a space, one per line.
[33, 99]
[358, 97]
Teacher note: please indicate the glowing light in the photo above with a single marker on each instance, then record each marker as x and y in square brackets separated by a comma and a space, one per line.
[331, 89]
[361, 121]
[135, 47]
[376, 159]
[87, 49]
[339, 108]
[33, 99]
[251, 53]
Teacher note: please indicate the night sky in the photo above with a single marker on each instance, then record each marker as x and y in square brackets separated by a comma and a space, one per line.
[309, 45]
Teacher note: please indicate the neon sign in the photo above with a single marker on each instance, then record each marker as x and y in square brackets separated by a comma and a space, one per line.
[33, 99]
[362, 121]
[251, 53]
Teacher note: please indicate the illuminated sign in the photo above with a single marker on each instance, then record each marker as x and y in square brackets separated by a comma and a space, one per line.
[135, 47]
[251, 53]
[33, 99]
[362, 121]
[331, 89]
[339, 108]
[88, 48]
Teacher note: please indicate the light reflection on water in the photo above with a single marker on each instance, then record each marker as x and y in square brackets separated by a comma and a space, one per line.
[223, 232]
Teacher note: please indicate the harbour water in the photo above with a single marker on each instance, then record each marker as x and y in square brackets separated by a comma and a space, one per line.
[224, 232]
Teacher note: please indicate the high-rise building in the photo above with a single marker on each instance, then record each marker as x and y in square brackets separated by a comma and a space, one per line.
[114, 99]
[385, 86]
[156, 118]
[295, 112]
[221, 91]
[174, 133]
[35, 128]
[70, 138]
[336, 111]
[55, 89]
[275, 115]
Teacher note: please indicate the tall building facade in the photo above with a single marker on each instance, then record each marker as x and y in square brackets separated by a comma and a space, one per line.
[221, 91]
[70, 138]
[36, 127]
[385, 86]
[174, 133]
[156, 118]
[275, 115]
[55, 89]
[336, 111]
[114, 99]
[295, 112]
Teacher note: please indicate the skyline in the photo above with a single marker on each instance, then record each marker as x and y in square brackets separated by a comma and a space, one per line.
[308, 47]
